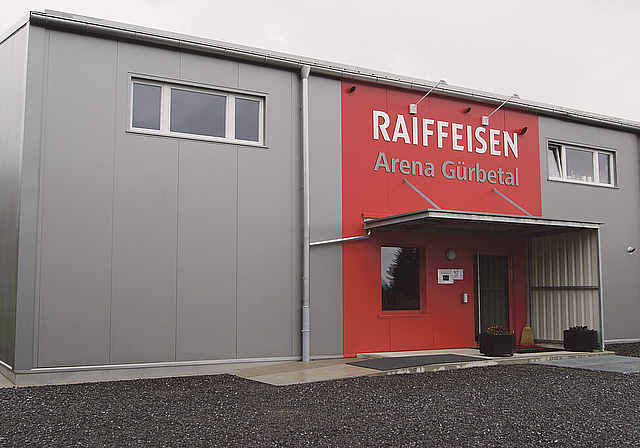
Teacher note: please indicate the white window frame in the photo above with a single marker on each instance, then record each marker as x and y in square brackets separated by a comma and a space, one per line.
[560, 150]
[165, 111]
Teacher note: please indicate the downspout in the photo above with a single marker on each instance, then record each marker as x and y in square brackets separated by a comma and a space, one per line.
[304, 74]
[600, 297]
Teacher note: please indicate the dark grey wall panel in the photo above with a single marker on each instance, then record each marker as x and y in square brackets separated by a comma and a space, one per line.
[207, 251]
[12, 99]
[618, 208]
[264, 224]
[75, 279]
[143, 313]
[326, 215]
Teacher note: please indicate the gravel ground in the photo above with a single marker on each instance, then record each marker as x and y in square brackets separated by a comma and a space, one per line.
[632, 350]
[507, 406]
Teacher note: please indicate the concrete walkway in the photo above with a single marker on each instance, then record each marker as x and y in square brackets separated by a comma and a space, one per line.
[612, 363]
[333, 369]
[5, 382]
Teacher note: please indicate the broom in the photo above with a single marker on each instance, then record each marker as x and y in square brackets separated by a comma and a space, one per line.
[526, 338]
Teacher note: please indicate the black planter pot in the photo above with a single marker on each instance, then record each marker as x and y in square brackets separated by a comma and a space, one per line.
[580, 341]
[497, 345]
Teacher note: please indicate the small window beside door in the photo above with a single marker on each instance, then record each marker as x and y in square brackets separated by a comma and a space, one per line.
[400, 278]
[581, 165]
[188, 111]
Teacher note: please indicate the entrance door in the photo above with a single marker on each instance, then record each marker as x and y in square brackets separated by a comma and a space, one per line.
[491, 291]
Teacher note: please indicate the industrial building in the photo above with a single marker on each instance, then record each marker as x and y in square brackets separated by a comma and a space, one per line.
[175, 205]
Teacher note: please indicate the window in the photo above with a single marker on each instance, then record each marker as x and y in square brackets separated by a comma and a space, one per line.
[584, 165]
[400, 278]
[196, 112]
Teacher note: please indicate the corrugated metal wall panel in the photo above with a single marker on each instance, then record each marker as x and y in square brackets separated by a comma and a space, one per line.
[564, 283]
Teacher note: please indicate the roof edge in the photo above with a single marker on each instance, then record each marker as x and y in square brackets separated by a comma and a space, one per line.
[149, 36]
[372, 223]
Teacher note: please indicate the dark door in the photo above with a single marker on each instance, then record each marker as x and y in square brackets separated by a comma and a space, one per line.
[491, 291]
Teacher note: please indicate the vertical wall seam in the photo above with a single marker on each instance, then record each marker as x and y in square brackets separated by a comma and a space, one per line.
[237, 198]
[292, 196]
[178, 146]
[175, 328]
[113, 194]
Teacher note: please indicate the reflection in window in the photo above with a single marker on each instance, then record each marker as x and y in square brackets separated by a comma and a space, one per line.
[146, 106]
[197, 113]
[400, 278]
[604, 167]
[247, 119]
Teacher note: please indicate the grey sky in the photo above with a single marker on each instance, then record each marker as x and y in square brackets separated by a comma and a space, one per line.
[577, 54]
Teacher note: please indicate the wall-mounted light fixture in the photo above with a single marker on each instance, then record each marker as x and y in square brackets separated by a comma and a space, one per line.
[485, 118]
[413, 108]
[523, 131]
[467, 110]
[351, 89]
[631, 250]
[450, 254]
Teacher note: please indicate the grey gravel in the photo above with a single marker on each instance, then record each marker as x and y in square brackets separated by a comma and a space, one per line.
[507, 406]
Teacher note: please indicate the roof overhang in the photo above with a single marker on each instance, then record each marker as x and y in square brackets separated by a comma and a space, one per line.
[448, 221]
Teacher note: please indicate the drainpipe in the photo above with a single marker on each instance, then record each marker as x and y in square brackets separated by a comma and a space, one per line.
[600, 297]
[304, 74]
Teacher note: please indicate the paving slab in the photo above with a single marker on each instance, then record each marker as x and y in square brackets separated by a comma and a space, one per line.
[333, 369]
[611, 363]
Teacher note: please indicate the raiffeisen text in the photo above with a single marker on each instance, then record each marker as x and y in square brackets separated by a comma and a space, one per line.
[423, 131]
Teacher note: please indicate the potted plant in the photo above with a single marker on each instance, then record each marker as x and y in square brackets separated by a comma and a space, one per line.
[580, 339]
[497, 341]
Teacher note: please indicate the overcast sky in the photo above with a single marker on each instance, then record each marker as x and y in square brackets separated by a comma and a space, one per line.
[578, 54]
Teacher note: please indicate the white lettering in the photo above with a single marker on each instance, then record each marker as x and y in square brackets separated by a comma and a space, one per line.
[380, 127]
[455, 134]
[493, 142]
[513, 144]
[441, 133]
[483, 144]
[426, 132]
[476, 138]
[401, 130]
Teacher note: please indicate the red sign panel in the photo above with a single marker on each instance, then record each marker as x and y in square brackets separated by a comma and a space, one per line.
[443, 151]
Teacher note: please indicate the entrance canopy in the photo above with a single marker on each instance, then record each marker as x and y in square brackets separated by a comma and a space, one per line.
[449, 221]
[565, 277]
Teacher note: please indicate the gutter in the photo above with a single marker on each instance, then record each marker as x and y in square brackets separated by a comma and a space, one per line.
[147, 36]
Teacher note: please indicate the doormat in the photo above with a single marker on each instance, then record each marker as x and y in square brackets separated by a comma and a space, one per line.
[403, 362]
[537, 349]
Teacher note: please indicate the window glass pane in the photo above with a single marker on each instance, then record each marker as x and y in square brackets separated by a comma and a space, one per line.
[604, 166]
[198, 113]
[553, 161]
[146, 106]
[247, 119]
[579, 165]
[400, 278]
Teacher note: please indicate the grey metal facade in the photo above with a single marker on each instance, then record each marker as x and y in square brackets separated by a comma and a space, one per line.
[617, 207]
[12, 91]
[123, 249]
